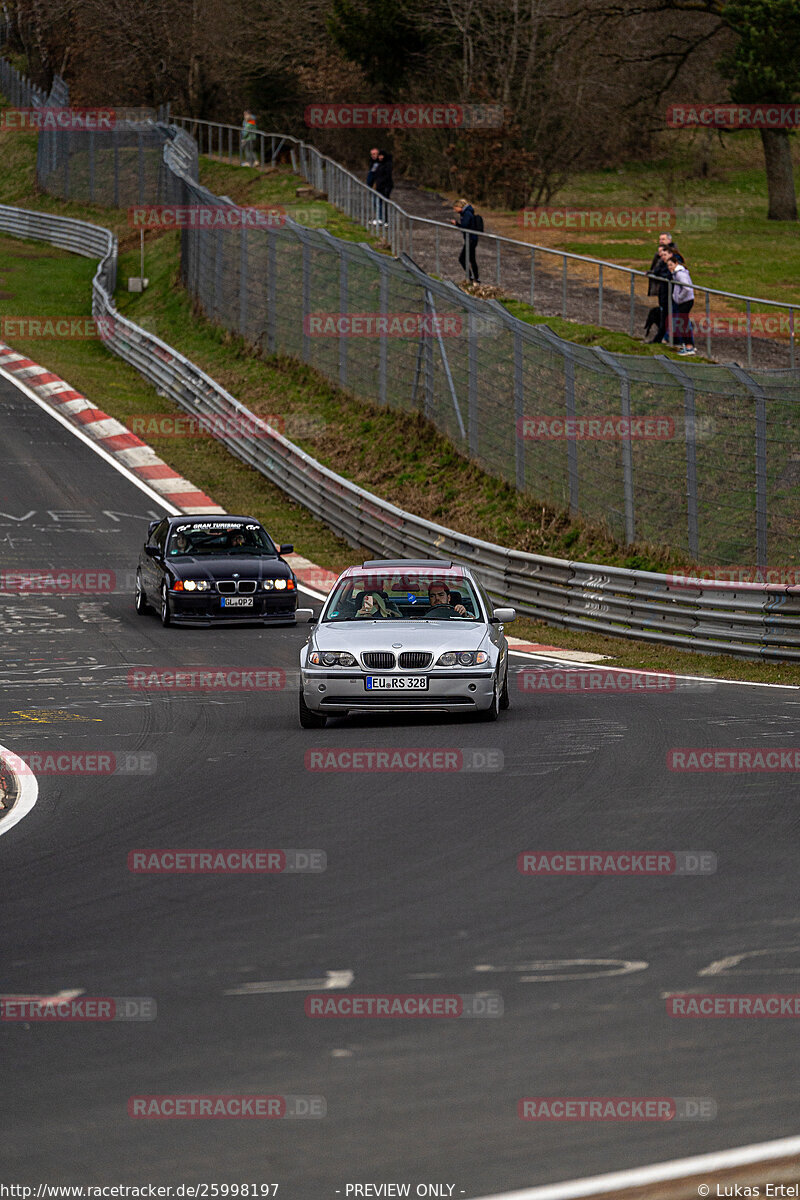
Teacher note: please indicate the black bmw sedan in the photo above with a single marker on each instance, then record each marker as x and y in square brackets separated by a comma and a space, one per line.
[201, 570]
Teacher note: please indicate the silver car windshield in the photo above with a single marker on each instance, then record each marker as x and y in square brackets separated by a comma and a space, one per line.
[403, 598]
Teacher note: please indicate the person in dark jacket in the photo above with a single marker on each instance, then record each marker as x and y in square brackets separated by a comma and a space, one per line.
[465, 218]
[659, 274]
[664, 239]
[383, 182]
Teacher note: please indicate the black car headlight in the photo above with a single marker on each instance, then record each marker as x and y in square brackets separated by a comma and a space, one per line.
[196, 585]
[268, 585]
[331, 658]
[463, 658]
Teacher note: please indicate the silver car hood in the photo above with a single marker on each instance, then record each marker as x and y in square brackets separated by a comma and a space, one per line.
[435, 636]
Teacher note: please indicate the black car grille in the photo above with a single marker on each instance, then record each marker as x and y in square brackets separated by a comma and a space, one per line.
[229, 587]
[382, 660]
[415, 658]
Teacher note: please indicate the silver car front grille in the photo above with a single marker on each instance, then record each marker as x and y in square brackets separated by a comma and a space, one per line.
[381, 660]
[415, 658]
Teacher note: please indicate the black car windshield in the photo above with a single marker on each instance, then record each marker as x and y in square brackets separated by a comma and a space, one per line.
[403, 597]
[212, 539]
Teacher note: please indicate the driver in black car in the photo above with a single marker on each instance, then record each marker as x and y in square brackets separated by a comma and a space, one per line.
[237, 539]
[181, 545]
[439, 596]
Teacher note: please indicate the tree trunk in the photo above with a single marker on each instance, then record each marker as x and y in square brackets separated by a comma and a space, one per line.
[780, 177]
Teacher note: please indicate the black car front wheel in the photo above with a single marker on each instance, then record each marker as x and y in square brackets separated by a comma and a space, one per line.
[140, 598]
[166, 615]
[310, 719]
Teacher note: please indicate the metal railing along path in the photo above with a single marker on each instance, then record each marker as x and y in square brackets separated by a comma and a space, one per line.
[753, 620]
[404, 232]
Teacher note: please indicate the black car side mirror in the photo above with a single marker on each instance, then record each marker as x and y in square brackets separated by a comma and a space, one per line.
[286, 548]
[152, 552]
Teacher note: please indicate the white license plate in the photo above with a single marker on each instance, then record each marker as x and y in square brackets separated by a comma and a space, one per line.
[396, 683]
[237, 601]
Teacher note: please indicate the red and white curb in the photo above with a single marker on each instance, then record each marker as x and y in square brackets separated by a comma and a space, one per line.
[27, 790]
[129, 450]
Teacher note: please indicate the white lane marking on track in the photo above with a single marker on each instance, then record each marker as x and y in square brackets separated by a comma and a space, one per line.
[333, 979]
[679, 1168]
[55, 998]
[28, 792]
[563, 662]
[78, 433]
[722, 966]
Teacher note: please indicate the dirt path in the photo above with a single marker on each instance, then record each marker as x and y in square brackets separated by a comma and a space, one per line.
[514, 279]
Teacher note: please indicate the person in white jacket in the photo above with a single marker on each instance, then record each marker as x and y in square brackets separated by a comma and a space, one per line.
[682, 301]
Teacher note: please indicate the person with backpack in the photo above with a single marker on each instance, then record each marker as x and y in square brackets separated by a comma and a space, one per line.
[468, 219]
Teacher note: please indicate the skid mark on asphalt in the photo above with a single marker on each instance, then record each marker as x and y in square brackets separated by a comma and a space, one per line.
[568, 743]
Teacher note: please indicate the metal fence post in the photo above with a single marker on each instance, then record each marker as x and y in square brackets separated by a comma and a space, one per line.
[564, 287]
[91, 167]
[218, 275]
[140, 142]
[600, 293]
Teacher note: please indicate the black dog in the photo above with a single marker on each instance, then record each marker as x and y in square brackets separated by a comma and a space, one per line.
[653, 318]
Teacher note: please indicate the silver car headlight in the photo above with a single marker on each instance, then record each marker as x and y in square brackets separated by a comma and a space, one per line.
[196, 585]
[463, 658]
[331, 658]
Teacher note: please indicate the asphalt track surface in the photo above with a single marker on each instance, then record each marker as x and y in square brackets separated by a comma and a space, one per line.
[421, 889]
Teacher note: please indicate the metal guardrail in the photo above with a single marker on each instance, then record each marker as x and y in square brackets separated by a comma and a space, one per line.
[350, 194]
[750, 620]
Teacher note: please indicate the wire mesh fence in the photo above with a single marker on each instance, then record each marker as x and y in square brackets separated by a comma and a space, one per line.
[701, 458]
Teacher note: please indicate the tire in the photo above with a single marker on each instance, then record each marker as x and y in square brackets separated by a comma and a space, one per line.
[309, 719]
[493, 712]
[505, 699]
[140, 600]
[166, 615]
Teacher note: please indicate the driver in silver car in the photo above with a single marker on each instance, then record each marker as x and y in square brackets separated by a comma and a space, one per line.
[439, 596]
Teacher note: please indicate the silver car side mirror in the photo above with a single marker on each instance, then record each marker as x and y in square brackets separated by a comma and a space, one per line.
[501, 615]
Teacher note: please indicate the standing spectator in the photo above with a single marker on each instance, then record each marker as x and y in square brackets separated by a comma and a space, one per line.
[383, 183]
[658, 285]
[466, 220]
[371, 173]
[664, 239]
[682, 301]
[249, 139]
